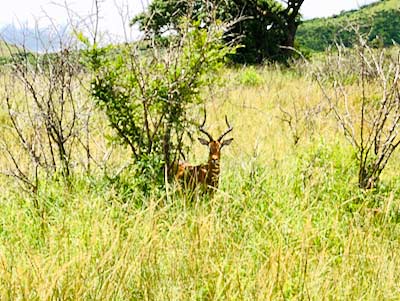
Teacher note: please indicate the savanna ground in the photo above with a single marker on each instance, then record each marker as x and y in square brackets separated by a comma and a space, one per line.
[288, 223]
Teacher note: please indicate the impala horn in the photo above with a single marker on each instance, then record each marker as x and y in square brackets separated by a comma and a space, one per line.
[230, 128]
[201, 128]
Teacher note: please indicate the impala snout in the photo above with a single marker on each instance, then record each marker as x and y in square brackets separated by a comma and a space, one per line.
[214, 160]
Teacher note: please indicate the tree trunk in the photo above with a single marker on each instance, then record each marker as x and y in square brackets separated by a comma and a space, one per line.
[291, 16]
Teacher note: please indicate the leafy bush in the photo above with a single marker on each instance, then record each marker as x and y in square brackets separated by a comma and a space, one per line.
[148, 95]
[250, 77]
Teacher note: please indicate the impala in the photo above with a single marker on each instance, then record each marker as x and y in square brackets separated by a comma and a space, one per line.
[205, 175]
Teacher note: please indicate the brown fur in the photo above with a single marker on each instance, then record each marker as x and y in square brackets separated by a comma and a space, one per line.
[203, 175]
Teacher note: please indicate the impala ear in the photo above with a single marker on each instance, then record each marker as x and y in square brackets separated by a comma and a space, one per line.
[203, 141]
[226, 142]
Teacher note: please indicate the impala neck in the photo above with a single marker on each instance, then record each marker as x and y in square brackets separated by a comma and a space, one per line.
[213, 166]
[213, 173]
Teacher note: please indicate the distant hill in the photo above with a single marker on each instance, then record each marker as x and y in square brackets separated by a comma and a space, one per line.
[380, 20]
[36, 40]
[6, 49]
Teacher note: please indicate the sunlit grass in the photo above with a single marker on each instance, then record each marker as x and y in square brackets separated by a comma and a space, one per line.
[288, 223]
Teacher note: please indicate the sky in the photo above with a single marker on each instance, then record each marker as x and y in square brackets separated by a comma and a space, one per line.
[24, 13]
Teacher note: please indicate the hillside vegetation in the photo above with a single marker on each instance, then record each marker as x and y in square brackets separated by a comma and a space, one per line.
[380, 21]
[6, 50]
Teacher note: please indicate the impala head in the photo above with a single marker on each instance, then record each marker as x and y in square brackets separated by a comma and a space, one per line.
[215, 146]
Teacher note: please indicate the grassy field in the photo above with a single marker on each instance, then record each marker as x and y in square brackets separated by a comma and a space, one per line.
[289, 221]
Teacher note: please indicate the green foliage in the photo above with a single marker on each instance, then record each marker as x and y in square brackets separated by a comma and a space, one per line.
[4, 60]
[380, 21]
[147, 94]
[250, 77]
[262, 26]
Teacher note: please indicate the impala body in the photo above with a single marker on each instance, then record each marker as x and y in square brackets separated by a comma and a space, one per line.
[205, 175]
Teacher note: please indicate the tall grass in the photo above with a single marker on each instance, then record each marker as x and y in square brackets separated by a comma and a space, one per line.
[288, 223]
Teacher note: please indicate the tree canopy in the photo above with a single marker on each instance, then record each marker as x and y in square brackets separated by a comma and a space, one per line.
[262, 26]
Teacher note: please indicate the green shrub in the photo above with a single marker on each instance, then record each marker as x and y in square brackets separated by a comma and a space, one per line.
[147, 95]
[250, 77]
